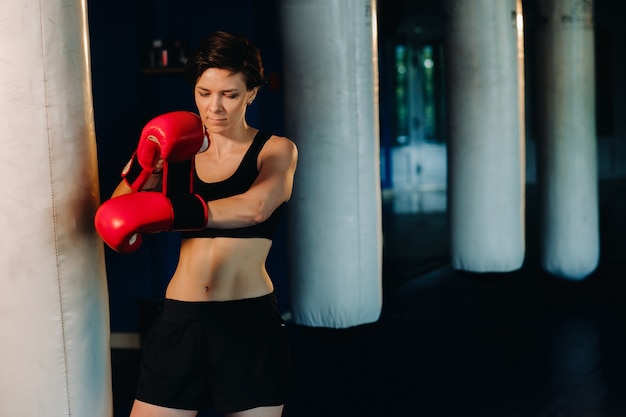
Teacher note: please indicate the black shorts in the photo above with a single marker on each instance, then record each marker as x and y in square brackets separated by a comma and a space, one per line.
[230, 355]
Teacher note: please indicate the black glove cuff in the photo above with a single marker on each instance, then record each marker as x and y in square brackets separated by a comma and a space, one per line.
[138, 178]
[190, 212]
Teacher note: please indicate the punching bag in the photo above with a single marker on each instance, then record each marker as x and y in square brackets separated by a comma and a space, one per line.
[54, 318]
[485, 81]
[567, 155]
[331, 90]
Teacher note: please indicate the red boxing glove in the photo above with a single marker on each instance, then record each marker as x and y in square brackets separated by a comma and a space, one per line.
[121, 220]
[172, 137]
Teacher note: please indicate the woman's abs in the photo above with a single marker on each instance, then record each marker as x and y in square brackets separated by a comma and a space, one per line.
[220, 269]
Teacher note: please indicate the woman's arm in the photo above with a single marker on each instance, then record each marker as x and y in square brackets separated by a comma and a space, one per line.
[154, 183]
[121, 189]
[272, 187]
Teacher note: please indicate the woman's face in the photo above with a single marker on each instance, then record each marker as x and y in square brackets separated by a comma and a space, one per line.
[222, 98]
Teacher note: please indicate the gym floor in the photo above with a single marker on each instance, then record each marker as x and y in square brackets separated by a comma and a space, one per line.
[454, 344]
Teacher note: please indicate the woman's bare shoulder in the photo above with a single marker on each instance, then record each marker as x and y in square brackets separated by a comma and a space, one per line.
[282, 144]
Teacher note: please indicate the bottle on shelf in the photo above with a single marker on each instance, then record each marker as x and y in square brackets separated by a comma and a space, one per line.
[158, 55]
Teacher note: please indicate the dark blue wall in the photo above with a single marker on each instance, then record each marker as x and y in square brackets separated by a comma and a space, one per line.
[125, 98]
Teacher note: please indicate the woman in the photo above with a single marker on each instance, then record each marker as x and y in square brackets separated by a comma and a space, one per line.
[220, 341]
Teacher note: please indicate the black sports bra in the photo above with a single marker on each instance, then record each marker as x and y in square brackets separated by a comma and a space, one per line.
[238, 183]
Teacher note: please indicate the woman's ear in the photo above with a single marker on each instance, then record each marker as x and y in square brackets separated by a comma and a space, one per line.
[253, 94]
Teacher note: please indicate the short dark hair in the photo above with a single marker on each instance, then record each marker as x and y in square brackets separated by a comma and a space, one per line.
[227, 51]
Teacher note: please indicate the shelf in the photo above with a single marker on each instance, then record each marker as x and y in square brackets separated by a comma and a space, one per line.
[164, 70]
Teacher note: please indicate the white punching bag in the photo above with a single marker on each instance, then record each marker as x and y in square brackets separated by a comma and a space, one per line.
[331, 90]
[567, 169]
[485, 80]
[54, 317]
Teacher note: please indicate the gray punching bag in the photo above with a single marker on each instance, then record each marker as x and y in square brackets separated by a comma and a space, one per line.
[331, 90]
[485, 82]
[54, 317]
[567, 155]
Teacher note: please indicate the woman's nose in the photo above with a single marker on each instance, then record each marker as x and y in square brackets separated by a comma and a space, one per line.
[215, 104]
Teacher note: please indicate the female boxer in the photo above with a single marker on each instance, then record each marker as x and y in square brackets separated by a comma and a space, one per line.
[220, 341]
